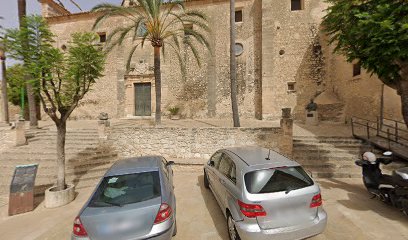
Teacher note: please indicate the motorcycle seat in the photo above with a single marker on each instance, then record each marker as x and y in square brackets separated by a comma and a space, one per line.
[402, 173]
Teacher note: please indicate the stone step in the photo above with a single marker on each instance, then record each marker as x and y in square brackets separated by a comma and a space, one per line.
[335, 175]
[327, 140]
[326, 150]
[300, 145]
[325, 156]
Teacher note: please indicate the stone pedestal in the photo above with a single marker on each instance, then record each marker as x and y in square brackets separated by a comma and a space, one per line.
[312, 118]
[55, 199]
[286, 140]
[20, 133]
[103, 126]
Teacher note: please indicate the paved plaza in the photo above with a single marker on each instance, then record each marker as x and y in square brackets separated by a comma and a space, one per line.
[352, 214]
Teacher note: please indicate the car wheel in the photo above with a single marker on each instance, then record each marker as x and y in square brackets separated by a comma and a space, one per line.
[175, 228]
[206, 182]
[232, 231]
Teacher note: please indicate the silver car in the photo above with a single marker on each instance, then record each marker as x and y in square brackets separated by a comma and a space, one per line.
[264, 195]
[134, 200]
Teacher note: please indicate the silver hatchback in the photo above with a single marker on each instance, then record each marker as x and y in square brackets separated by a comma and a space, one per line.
[134, 200]
[264, 195]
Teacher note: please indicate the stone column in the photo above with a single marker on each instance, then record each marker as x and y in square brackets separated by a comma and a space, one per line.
[103, 126]
[20, 132]
[286, 140]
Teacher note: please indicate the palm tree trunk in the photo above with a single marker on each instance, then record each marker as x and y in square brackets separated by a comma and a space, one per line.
[403, 92]
[233, 66]
[30, 91]
[5, 118]
[258, 58]
[157, 78]
[61, 132]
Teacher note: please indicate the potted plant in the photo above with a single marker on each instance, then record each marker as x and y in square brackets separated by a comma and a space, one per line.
[174, 113]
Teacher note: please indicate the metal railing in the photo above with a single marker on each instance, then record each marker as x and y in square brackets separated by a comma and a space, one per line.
[394, 132]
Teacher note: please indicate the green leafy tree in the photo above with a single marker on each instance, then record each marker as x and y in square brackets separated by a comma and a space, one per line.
[163, 24]
[15, 81]
[375, 33]
[62, 78]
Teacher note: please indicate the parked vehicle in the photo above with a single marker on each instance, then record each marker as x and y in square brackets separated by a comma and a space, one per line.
[134, 200]
[389, 189]
[264, 195]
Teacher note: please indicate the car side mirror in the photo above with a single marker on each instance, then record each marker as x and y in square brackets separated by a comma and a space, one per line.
[211, 163]
[170, 163]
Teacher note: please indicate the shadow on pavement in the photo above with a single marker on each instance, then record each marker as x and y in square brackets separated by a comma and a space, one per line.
[359, 199]
[214, 209]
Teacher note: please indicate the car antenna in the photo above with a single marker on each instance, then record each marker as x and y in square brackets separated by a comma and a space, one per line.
[269, 153]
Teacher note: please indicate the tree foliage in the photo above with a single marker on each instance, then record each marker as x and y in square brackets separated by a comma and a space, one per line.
[374, 32]
[61, 78]
[164, 24]
[15, 82]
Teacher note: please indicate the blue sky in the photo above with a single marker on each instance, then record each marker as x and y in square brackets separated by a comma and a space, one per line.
[8, 10]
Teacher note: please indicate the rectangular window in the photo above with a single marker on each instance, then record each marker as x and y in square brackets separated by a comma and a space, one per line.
[356, 69]
[238, 16]
[121, 190]
[277, 180]
[102, 37]
[296, 5]
[187, 29]
[291, 87]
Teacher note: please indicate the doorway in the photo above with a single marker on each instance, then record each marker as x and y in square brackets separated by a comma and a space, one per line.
[143, 97]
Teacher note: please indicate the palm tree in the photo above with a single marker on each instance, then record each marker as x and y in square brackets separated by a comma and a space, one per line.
[233, 66]
[5, 116]
[32, 104]
[164, 25]
[72, 1]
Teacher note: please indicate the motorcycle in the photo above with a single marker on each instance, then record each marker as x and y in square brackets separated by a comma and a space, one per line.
[391, 189]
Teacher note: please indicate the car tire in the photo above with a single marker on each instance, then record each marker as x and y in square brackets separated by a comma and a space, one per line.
[175, 229]
[206, 182]
[232, 231]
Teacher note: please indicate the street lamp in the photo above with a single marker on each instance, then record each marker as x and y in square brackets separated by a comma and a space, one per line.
[5, 115]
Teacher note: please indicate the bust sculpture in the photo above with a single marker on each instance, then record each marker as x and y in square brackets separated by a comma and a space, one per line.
[312, 106]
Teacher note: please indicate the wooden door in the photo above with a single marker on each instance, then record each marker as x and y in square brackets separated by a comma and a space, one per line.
[143, 103]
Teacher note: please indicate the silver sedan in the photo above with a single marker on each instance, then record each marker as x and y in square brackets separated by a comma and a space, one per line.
[264, 195]
[134, 200]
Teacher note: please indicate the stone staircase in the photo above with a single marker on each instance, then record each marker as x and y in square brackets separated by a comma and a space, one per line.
[86, 159]
[329, 157]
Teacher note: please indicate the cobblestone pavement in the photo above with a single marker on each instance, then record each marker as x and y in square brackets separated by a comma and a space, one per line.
[352, 214]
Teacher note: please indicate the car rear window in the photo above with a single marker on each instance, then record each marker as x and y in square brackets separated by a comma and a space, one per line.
[277, 180]
[127, 189]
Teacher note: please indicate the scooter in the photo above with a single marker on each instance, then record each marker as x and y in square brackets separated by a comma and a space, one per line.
[391, 189]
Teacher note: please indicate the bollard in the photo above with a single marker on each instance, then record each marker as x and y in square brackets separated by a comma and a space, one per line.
[20, 132]
[103, 126]
[286, 141]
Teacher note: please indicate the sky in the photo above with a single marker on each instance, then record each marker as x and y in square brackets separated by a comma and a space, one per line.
[8, 10]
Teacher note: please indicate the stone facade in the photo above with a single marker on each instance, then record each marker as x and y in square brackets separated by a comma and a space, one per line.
[285, 62]
[190, 143]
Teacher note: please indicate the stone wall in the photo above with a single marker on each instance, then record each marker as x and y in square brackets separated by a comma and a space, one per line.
[189, 143]
[204, 91]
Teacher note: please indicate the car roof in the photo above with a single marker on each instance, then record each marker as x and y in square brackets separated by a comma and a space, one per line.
[255, 157]
[134, 165]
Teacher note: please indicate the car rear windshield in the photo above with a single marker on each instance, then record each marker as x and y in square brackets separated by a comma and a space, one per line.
[127, 189]
[277, 180]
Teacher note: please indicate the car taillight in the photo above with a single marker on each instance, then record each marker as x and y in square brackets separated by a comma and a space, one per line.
[164, 213]
[251, 210]
[316, 201]
[79, 229]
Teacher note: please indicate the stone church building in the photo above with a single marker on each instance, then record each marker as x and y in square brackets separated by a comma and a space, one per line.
[283, 60]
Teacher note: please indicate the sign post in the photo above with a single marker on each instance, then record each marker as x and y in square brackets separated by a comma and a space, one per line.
[21, 198]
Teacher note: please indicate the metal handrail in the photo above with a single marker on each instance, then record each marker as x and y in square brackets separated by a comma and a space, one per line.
[391, 136]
